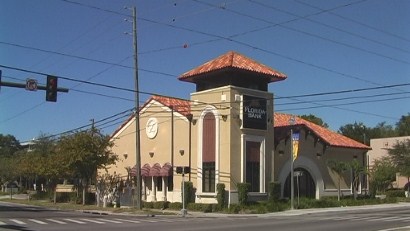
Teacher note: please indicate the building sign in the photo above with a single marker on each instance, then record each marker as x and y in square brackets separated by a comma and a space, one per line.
[254, 112]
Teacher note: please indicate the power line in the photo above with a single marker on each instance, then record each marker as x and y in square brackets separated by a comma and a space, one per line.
[344, 91]
[356, 22]
[310, 34]
[307, 18]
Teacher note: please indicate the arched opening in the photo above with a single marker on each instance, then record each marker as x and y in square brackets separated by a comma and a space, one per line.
[304, 185]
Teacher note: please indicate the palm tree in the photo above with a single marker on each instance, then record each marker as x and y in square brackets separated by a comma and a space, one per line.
[338, 167]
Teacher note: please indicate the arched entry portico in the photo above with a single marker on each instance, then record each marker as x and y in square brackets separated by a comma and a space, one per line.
[304, 185]
[309, 166]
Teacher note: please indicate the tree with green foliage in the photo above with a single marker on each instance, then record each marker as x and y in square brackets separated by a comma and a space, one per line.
[314, 119]
[400, 156]
[9, 145]
[356, 131]
[84, 153]
[357, 170]
[339, 167]
[382, 174]
[403, 126]
[382, 130]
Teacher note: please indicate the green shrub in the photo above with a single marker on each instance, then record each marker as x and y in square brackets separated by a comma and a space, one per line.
[243, 189]
[220, 196]
[188, 192]
[395, 193]
[206, 208]
[175, 206]
[148, 205]
[274, 191]
[160, 205]
[234, 208]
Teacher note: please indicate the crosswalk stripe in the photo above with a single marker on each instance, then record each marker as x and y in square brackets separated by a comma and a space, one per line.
[74, 221]
[57, 221]
[18, 221]
[38, 221]
[111, 221]
[132, 221]
[93, 221]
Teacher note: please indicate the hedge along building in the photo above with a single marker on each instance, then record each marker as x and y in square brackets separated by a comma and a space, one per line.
[224, 133]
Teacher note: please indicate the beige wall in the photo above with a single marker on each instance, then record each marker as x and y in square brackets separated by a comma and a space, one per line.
[380, 149]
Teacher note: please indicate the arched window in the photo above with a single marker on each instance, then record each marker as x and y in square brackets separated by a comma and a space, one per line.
[208, 152]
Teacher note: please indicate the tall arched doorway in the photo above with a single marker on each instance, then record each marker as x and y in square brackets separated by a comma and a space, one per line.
[303, 184]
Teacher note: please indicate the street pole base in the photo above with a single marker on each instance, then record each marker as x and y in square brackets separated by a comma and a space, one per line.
[184, 212]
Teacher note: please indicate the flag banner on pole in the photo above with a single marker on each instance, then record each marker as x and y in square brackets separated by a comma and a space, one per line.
[295, 145]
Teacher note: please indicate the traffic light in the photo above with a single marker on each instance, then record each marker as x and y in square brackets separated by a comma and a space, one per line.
[51, 89]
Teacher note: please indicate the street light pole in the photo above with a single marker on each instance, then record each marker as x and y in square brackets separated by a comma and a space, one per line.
[292, 188]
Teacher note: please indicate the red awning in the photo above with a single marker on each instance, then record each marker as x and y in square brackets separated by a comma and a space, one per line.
[145, 170]
[166, 170]
[155, 170]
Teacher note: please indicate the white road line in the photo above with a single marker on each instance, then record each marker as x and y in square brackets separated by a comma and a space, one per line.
[93, 221]
[74, 221]
[57, 221]
[124, 220]
[111, 221]
[18, 221]
[37, 221]
[396, 228]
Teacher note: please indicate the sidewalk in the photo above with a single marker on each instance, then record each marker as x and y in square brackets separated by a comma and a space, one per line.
[295, 212]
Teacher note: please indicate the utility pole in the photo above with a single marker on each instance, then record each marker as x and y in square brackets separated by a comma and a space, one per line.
[138, 193]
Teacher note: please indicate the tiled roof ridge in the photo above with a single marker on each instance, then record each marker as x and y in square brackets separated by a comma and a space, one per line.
[235, 60]
[331, 137]
[182, 106]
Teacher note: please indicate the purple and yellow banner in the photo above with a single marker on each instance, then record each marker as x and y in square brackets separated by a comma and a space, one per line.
[295, 145]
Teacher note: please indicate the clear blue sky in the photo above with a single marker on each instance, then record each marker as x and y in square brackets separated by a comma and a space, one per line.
[322, 45]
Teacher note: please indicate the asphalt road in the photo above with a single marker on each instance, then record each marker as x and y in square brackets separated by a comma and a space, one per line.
[29, 218]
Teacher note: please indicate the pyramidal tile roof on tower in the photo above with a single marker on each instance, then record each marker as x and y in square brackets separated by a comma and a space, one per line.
[330, 137]
[234, 60]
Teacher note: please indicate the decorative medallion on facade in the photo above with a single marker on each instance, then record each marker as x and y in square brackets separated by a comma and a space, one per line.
[151, 128]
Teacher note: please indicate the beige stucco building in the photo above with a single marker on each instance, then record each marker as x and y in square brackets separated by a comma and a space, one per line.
[226, 133]
[380, 149]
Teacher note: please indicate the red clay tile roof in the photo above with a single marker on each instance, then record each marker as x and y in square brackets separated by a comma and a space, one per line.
[234, 60]
[180, 105]
[330, 137]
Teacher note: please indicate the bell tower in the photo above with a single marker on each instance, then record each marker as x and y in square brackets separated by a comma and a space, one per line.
[233, 111]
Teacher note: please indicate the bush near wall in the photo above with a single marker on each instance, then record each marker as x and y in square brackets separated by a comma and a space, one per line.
[243, 189]
[206, 208]
[395, 193]
[274, 191]
[220, 196]
[175, 206]
[189, 193]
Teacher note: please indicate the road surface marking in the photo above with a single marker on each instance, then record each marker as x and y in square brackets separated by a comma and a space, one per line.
[18, 221]
[93, 221]
[2, 223]
[74, 221]
[132, 221]
[111, 221]
[57, 221]
[396, 228]
[37, 221]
